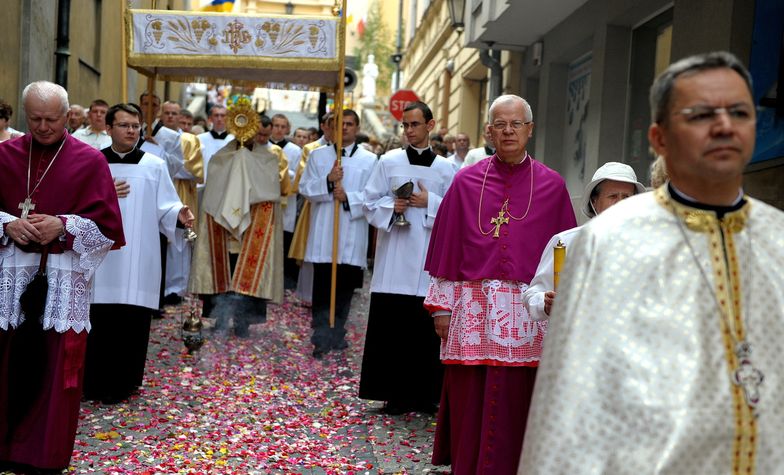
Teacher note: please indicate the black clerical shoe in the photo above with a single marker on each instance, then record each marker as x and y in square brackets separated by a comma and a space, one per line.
[426, 408]
[397, 408]
[172, 299]
[319, 353]
[341, 345]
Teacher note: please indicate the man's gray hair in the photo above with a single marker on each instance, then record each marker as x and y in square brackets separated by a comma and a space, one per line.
[661, 90]
[510, 98]
[46, 91]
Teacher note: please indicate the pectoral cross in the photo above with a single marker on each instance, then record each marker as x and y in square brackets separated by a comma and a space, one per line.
[26, 207]
[501, 219]
[747, 376]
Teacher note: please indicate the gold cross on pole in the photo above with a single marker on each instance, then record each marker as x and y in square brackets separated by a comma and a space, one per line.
[26, 207]
[501, 219]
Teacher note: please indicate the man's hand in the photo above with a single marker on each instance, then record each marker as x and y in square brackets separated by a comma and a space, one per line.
[340, 194]
[49, 227]
[401, 205]
[336, 174]
[122, 188]
[549, 298]
[186, 217]
[441, 322]
[22, 231]
[419, 200]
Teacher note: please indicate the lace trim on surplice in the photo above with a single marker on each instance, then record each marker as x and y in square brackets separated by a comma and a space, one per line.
[68, 274]
[489, 321]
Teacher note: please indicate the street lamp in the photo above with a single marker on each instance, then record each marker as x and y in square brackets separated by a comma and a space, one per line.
[457, 14]
[289, 8]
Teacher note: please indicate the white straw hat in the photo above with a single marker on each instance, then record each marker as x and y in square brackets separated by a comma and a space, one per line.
[615, 171]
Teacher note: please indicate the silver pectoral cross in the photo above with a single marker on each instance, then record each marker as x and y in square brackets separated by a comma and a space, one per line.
[747, 376]
[26, 207]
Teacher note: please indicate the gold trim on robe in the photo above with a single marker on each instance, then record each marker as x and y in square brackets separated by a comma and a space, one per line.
[729, 292]
[639, 372]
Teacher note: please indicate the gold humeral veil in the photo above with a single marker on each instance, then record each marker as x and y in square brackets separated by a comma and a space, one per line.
[241, 213]
[638, 364]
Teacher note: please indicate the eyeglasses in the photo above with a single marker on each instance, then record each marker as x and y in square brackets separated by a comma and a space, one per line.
[516, 125]
[125, 126]
[738, 113]
[411, 125]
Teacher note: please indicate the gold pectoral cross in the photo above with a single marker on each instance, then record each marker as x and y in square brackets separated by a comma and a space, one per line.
[26, 207]
[501, 219]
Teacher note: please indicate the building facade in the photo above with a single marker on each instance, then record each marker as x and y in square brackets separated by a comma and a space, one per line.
[93, 69]
[586, 67]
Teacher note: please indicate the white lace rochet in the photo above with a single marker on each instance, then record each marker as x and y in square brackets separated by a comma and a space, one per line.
[69, 275]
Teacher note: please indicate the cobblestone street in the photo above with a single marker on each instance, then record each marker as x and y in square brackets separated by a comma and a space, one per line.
[258, 405]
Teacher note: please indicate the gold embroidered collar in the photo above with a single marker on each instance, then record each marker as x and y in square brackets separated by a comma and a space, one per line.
[701, 220]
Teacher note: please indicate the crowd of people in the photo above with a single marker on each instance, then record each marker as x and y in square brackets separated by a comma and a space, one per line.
[639, 359]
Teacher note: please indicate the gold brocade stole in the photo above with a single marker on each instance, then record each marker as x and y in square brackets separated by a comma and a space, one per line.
[299, 242]
[186, 190]
[253, 256]
[726, 275]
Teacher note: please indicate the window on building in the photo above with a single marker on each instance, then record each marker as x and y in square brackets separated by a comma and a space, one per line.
[651, 45]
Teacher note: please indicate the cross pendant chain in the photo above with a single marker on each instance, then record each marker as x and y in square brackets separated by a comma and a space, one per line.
[498, 221]
[747, 376]
[26, 207]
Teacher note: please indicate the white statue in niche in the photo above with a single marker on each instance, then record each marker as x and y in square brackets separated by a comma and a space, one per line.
[369, 75]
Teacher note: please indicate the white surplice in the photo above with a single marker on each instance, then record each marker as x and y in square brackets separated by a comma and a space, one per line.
[132, 275]
[637, 371]
[210, 146]
[293, 153]
[169, 141]
[533, 297]
[401, 250]
[353, 234]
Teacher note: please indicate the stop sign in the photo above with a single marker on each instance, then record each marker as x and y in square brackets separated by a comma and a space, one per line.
[399, 101]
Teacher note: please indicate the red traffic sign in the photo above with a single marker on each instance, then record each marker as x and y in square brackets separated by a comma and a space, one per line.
[399, 101]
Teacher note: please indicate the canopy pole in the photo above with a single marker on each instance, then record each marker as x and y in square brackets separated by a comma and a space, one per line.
[338, 153]
[148, 118]
[124, 64]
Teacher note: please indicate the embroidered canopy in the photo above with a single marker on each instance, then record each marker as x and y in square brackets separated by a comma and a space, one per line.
[283, 52]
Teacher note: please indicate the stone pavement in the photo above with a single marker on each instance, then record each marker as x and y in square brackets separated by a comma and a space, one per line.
[260, 405]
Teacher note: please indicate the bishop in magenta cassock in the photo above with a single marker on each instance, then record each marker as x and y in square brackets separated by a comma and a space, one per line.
[488, 235]
[73, 213]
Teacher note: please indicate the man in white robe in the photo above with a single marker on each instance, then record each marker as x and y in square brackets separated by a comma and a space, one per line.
[411, 380]
[127, 284]
[324, 182]
[166, 138]
[610, 184]
[480, 153]
[280, 130]
[178, 259]
[671, 308]
[300, 238]
[215, 139]
[94, 134]
[238, 259]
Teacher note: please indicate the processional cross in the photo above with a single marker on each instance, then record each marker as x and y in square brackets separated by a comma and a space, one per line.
[747, 376]
[501, 219]
[26, 207]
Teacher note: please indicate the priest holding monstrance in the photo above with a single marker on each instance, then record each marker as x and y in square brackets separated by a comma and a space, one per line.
[239, 252]
[489, 232]
[59, 213]
[664, 348]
